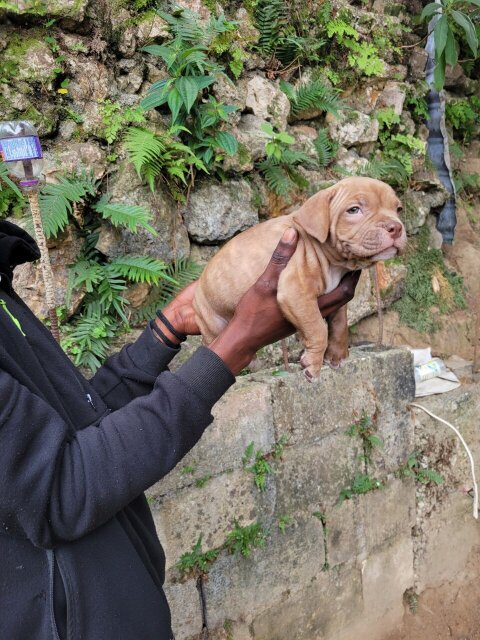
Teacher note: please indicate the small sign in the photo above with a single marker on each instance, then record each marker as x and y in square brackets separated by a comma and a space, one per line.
[21, 148]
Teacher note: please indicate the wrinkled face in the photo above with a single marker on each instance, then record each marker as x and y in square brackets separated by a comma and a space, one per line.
[364, 220]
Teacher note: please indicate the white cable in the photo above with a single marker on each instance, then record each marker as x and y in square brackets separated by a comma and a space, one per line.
[472, 465]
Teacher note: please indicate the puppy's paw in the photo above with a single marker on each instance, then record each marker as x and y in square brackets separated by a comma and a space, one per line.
[335, 357]
[312, 374]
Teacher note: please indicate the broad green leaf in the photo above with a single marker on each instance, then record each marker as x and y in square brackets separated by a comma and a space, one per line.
[451, 54]
[440, 34]
[203, 81]
[227, 142]
[475, 2]
[163, 52]
[467, 25]
[188, 90]
[285, 137]
[156, 97]
[429, 10]
[266, 127]
[175, 102]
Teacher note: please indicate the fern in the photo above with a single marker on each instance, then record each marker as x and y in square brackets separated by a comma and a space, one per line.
[325, 148]
[270, 18]
[56, 201]
[6, 180]
[145, 149]
[311, 95]
[177, 276]
[123, 215]
[141, 269]
[88, 339]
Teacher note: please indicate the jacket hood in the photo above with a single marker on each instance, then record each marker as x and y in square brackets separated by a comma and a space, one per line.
[16, 247]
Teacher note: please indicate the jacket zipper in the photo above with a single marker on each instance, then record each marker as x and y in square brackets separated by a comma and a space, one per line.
[15, 320]
[51, 571]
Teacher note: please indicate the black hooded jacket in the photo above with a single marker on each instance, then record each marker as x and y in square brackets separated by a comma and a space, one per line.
[79, 555]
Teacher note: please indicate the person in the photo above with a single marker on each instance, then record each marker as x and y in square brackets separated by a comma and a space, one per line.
[80, 557]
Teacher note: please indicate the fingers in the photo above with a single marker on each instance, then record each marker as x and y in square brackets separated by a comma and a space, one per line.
[282, 254]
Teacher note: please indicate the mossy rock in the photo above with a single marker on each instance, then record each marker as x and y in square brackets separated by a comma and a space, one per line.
[49, 8]
[27, 58]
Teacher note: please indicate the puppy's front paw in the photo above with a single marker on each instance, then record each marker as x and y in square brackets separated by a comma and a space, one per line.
[311, 365]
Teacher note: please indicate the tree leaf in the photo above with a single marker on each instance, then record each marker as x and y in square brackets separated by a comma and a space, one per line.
[467, 25]
[440, 34]
[175, 102]
[188, 90]
[451, 54]
[429, 10]
[227, 142]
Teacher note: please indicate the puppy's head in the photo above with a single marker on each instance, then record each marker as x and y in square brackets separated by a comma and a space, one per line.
[358, 217]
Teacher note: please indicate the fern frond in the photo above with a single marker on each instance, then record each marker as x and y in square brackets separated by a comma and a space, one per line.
[140, 269]
[182, 272]
[312, 95]
[277, 179]
[270, 15]
[88, 339]
[144, 148]
[56, 201]
[123, 215]
[324, 147]
[4, 177]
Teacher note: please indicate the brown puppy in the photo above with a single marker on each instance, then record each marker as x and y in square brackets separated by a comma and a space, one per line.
[346, 227]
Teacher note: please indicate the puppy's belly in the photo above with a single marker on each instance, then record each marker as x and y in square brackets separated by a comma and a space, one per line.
[334, 275]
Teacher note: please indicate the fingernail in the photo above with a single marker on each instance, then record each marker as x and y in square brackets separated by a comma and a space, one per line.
[289, 236]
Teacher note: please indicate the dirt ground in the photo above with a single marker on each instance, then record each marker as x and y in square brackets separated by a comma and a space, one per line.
[449, 612]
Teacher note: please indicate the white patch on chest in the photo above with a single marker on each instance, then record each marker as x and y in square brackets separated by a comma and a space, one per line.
[335, 274]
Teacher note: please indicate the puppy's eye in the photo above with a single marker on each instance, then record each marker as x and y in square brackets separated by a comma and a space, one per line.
[399, 210]
[353, 210]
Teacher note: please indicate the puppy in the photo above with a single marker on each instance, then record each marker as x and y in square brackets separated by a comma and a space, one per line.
[346, 227]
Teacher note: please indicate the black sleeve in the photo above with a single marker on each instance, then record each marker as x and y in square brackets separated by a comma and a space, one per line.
[132, 372]
[54, 489]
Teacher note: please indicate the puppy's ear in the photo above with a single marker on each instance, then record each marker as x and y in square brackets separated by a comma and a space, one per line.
[314, 214]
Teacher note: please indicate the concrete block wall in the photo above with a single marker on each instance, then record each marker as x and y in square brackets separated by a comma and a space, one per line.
[340, 579]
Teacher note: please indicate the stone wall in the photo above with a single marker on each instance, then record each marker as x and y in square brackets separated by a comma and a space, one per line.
[337, 577]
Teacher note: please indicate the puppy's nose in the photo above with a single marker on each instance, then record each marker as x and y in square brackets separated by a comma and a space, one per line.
[394, 228]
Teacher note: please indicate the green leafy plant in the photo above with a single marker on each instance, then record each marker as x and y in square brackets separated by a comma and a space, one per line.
[361, 56]
[11, 198]
[243, 540]
[284, 522]
[362, 483]
[413, 469]
[262, 465]
[281, 40]
[454, 24]
[325, 147]
[464, 117]
[365, 429]
[201, 482]
[115, 118]
[311, 95]
[157, 155]
[184, 92]
[280, 166]
[428, 285]
[197, 562]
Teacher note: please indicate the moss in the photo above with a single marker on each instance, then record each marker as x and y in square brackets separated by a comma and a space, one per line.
[429, 286]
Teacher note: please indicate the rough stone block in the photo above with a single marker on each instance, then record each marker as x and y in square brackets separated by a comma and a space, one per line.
[241, 588]
[385, 514]
[311, 477]
[209, 511]
[306, 412]
[319, 610]
[185, 607]
[341, 533]
[242, 416]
